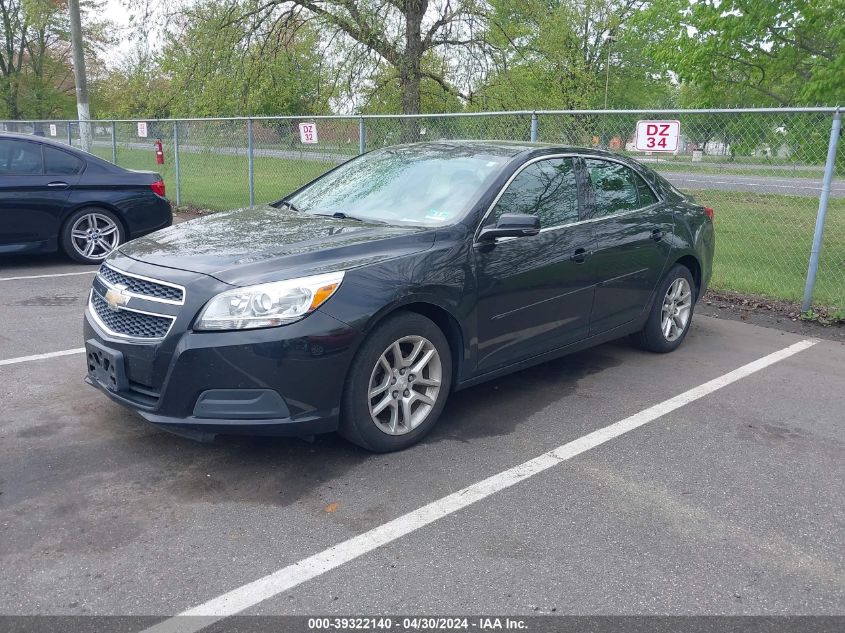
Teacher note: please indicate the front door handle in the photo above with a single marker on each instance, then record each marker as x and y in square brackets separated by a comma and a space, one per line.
[579, 256]
[58, 185]
[657, 235]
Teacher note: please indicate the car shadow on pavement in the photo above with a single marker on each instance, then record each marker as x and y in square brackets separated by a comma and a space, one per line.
[499, 406]
[109, 478]
[99, 446]
[281, 471]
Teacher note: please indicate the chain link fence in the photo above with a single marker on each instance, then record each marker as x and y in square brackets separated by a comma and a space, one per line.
[760, 169]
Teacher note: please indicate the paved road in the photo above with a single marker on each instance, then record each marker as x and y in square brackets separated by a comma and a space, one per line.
[758, 184]
[731, 504]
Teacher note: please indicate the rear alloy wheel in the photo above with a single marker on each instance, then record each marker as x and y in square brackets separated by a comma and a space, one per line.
[397, 384]
[91, 234]
[677, 310]
[671, 315]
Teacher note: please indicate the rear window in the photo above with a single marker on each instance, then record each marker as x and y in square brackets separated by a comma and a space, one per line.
[647, 196]
[61, 163]
[614, 186]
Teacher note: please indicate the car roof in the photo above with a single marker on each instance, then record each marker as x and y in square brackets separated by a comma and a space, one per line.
[513, 148]
[88, 156]
[35, 137]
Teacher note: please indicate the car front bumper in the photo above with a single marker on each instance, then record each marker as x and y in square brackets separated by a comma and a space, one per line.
[276, 381]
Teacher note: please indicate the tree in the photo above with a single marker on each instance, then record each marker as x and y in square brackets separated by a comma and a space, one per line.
[401, 34]
[554, 54]
[219, 62]
[36, 76]
[789, 52]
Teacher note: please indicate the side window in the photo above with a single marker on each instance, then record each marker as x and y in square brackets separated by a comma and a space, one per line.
[20, 158]
[614, 186]
[547, 189]
[647, 196]
[58, 162]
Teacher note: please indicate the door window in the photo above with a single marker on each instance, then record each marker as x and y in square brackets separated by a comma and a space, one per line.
[58, 162]
[616, 188]
[547, 189]
[20, 158]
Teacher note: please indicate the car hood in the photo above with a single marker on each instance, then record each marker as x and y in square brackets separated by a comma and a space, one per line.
[250, 246]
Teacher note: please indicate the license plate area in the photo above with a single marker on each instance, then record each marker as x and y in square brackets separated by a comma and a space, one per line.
[106, 366]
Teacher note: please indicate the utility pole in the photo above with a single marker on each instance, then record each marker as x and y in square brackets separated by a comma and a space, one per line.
[82, 108]
[610, 40]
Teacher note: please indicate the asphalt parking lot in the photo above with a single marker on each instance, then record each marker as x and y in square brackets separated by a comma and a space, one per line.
[730, 503]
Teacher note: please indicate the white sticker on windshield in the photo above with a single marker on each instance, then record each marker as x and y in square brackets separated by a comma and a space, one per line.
[434, 214]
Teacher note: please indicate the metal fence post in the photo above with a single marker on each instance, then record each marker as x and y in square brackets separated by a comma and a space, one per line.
[815, 251]
[533, 127]
[362, 136]
[69, 137]
[176, 161]
[251, 162]
[114, 142]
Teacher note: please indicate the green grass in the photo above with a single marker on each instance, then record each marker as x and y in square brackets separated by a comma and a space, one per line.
[763, 245]
[219, 181]
[762, 240]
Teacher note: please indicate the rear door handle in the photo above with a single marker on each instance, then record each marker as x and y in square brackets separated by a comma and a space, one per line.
[58, 185]
[579, 256]
[657, 235]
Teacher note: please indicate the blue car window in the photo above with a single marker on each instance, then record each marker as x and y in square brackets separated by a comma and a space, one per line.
[20, 158]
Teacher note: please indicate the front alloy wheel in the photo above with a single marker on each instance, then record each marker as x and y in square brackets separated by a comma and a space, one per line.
[397, 384]
[405, 385]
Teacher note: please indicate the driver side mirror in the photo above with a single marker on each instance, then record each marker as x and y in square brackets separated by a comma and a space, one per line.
[512, 225]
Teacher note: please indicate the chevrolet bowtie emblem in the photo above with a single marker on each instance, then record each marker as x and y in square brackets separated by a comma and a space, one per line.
[117, 297]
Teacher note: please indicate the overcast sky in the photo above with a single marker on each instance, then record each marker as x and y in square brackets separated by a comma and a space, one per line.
[116, 11]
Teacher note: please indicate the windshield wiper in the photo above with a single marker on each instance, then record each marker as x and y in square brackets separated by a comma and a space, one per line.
[340, 215]
[290, 205]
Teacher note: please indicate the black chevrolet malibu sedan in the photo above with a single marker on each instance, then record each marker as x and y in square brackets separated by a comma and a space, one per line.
[57, 198]
[360, 301]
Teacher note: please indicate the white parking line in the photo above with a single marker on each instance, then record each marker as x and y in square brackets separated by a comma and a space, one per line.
[249, 595]
[26, 359]
[85, 272]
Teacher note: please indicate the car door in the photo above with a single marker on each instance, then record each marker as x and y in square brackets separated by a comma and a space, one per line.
[534, 292]
[632, 230]
[34, 188]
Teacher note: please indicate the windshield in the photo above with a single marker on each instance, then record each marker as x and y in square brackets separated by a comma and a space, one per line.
[428, 185]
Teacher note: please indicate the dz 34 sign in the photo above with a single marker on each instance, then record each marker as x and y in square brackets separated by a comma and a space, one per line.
[658, 136]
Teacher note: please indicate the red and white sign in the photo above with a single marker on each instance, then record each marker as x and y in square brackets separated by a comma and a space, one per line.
[142, 129]
[657, 136]
[308, 132]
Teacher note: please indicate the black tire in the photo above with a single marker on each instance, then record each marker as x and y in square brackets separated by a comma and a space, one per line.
[356, 422]
[652, 337]
[100, 252]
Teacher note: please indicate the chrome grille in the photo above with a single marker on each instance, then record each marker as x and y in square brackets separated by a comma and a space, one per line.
[129, 323]
[143, 287]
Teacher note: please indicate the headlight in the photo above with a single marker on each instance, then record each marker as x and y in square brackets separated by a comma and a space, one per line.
[268, 305]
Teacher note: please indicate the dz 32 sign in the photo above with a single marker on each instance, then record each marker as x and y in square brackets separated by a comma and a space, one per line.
[658, 136]
[308, 132]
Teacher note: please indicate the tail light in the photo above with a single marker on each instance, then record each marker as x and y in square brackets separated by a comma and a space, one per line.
[707, 211]
[158, 187]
